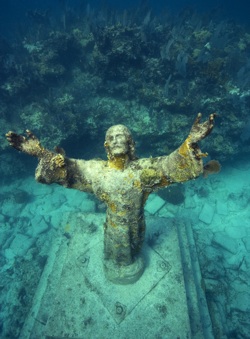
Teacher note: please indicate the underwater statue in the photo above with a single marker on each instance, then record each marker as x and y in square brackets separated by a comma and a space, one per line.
[123, 183]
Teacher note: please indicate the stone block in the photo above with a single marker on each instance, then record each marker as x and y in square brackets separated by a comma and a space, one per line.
[165, 212]
[10, 259]
[190, 203]
[236, 231]
[246, 241]
[207, 213]
[222, 240]
[241, 302]
[221, 207]
[11, 210]
[75, 198]
[4, 235]
[21, 244]
[41, 190]
[38, 226]
[57, 200]
[87, 206]
[155, 204]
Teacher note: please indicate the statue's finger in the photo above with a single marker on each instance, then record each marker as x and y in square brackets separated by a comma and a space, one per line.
[30, 134]
[198, 118]
[211, 120]
[9, 134]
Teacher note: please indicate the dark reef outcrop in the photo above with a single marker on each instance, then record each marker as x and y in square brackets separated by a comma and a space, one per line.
[152, 73]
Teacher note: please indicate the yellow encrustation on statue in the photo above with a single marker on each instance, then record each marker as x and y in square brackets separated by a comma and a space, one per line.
[123, 183]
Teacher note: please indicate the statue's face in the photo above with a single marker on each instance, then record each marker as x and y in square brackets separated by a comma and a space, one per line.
[116, 140]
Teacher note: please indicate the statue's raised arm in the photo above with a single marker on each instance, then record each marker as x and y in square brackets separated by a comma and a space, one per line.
[200, 130]
[50, 162]
[53, 167]
[185, 163]
[181, 165]
[28, 144]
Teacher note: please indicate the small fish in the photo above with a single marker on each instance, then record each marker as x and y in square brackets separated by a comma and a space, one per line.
[211, 167]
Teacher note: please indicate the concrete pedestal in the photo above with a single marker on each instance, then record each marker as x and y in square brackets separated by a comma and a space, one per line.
[124, 275]
[75, 300]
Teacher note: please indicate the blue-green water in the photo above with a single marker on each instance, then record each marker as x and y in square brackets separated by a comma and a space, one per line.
[70, 70]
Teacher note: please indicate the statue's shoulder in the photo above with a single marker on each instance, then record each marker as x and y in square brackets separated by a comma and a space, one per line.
[96, 163]
[143, 162]
[89, 164]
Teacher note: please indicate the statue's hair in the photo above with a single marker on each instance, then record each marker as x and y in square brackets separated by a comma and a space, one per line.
[131, 143]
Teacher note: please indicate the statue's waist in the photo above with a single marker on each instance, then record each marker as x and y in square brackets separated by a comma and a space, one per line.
[125, 216]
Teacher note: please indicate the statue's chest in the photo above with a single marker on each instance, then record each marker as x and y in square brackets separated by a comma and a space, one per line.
[114, 183]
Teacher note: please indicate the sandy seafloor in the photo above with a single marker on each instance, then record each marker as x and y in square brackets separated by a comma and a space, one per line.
[217, 208]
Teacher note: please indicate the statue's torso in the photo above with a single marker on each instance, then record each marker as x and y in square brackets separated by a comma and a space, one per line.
[121, 190]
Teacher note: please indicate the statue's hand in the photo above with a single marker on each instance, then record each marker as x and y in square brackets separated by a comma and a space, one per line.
[30, 144]
[200, 130]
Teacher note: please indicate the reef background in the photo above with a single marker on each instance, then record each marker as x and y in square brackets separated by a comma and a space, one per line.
[68, 75]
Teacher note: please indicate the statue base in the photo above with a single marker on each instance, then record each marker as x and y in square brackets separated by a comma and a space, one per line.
[124, 275]
[75, 300]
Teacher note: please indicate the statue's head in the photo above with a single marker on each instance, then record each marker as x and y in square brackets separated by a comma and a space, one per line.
[119, 142]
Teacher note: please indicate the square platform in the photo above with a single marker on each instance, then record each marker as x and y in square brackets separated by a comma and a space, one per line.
[78, 302]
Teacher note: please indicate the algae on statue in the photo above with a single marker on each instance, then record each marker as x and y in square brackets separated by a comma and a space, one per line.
[123, 183]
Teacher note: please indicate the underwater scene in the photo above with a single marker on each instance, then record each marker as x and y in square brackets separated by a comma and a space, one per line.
[125, 169]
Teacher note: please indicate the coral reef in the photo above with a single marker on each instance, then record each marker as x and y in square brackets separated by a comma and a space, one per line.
[149, 72]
